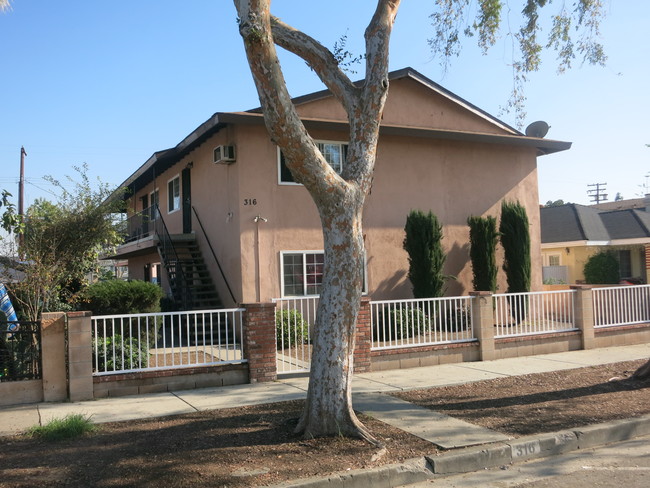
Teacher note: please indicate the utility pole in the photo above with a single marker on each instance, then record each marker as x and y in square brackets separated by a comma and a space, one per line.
[21, 198]
[597, 194]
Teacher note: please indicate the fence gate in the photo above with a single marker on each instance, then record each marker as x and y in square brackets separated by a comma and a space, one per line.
[293, 324]
[20, 351]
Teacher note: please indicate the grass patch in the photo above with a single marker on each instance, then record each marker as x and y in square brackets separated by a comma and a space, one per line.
[66, 428]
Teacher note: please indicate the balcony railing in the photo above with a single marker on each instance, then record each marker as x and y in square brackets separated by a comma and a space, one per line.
[141, 224]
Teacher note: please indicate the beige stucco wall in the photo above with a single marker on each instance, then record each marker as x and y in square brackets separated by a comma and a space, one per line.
[453, 179]
[412, 104]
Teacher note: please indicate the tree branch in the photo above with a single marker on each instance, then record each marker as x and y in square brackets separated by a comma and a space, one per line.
[319, 58]
[303, 158]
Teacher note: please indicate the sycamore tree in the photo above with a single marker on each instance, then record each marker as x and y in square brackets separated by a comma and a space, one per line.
[340, 198]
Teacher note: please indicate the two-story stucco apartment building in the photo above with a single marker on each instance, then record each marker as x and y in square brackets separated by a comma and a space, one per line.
[235, 216]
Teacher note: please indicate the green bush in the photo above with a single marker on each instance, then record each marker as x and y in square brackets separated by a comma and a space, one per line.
[515, 239]
[122, 297]
[290, 328]
[116, 353]
[483, 237]
[454, 319]
[423, 243]
[602, 269]
[396, 323]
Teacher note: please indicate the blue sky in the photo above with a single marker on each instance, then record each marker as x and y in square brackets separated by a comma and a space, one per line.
[109, 83]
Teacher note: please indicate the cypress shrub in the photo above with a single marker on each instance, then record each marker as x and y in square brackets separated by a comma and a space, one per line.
[602, 269]
[423, 243]
[483, 237]
[515, 239]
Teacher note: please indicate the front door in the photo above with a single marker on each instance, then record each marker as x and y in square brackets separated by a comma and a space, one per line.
[187, 201]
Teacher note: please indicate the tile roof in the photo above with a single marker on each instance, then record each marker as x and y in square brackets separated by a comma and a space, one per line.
[572, 222]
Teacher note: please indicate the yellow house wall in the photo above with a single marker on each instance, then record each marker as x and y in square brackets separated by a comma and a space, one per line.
[577, 256]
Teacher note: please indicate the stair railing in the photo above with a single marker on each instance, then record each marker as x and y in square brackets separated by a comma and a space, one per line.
[167, 249]
[214, 255]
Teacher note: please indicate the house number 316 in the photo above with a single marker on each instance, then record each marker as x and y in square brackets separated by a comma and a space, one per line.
[250, 201]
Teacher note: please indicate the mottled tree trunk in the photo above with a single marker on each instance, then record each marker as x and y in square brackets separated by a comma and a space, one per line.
[329, 403]
[339, 198]
[643, 373]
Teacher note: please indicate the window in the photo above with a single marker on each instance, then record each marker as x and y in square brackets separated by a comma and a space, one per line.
[155, 201]
[625, 263]
[302, 273]
[174, 195]
[554, 260]
[335, 153]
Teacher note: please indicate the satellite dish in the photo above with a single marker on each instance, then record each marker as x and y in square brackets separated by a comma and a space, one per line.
[537, 129]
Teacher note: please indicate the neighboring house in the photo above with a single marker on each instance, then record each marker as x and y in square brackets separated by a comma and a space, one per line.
[240, 224]
[572, 233]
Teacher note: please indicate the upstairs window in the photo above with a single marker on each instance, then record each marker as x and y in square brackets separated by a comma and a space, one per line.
[174, 194]
[335, 153]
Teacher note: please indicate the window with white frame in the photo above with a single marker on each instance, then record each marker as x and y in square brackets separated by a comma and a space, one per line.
[554, 260]
[302, 273]
[174, 194]
[335, 153]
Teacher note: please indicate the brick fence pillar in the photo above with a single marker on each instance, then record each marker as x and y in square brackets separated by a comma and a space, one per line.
[55, 384]
[80, 359]
[584, 314]
[259, 341]
[362, 362]
[483, 320]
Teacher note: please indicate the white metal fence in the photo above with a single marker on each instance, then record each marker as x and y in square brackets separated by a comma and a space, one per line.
[517, 314]
[621, 305]
[419, 322]
[154, 341]
[294, 318]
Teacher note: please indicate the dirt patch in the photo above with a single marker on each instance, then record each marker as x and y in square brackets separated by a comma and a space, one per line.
[543, 402]
[254, 446]
[243, 447]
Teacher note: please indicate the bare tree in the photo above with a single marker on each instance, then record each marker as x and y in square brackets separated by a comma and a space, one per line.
[340, 198]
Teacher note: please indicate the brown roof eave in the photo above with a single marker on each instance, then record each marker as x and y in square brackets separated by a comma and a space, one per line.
[162, 160]
[544, 146]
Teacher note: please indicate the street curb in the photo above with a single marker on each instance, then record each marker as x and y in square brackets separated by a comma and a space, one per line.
[388, 476]
[481, 457]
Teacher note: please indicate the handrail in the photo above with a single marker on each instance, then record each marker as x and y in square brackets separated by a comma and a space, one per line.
[167, 245]
[214, 255]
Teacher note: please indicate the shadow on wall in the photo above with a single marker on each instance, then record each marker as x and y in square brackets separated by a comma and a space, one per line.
[396, 287]
[457, 262]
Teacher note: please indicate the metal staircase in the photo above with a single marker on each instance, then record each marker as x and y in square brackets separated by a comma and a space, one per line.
[189, 278]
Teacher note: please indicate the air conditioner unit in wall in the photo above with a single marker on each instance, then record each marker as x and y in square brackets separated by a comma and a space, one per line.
[224, 154]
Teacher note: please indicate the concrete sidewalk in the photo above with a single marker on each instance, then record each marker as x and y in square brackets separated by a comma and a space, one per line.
[366, 389]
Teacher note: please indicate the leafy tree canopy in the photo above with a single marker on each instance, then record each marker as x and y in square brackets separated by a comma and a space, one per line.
[61, 242]
[571, 30]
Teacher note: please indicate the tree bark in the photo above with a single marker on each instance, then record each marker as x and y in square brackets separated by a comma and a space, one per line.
[338, 198]
[643, 373]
